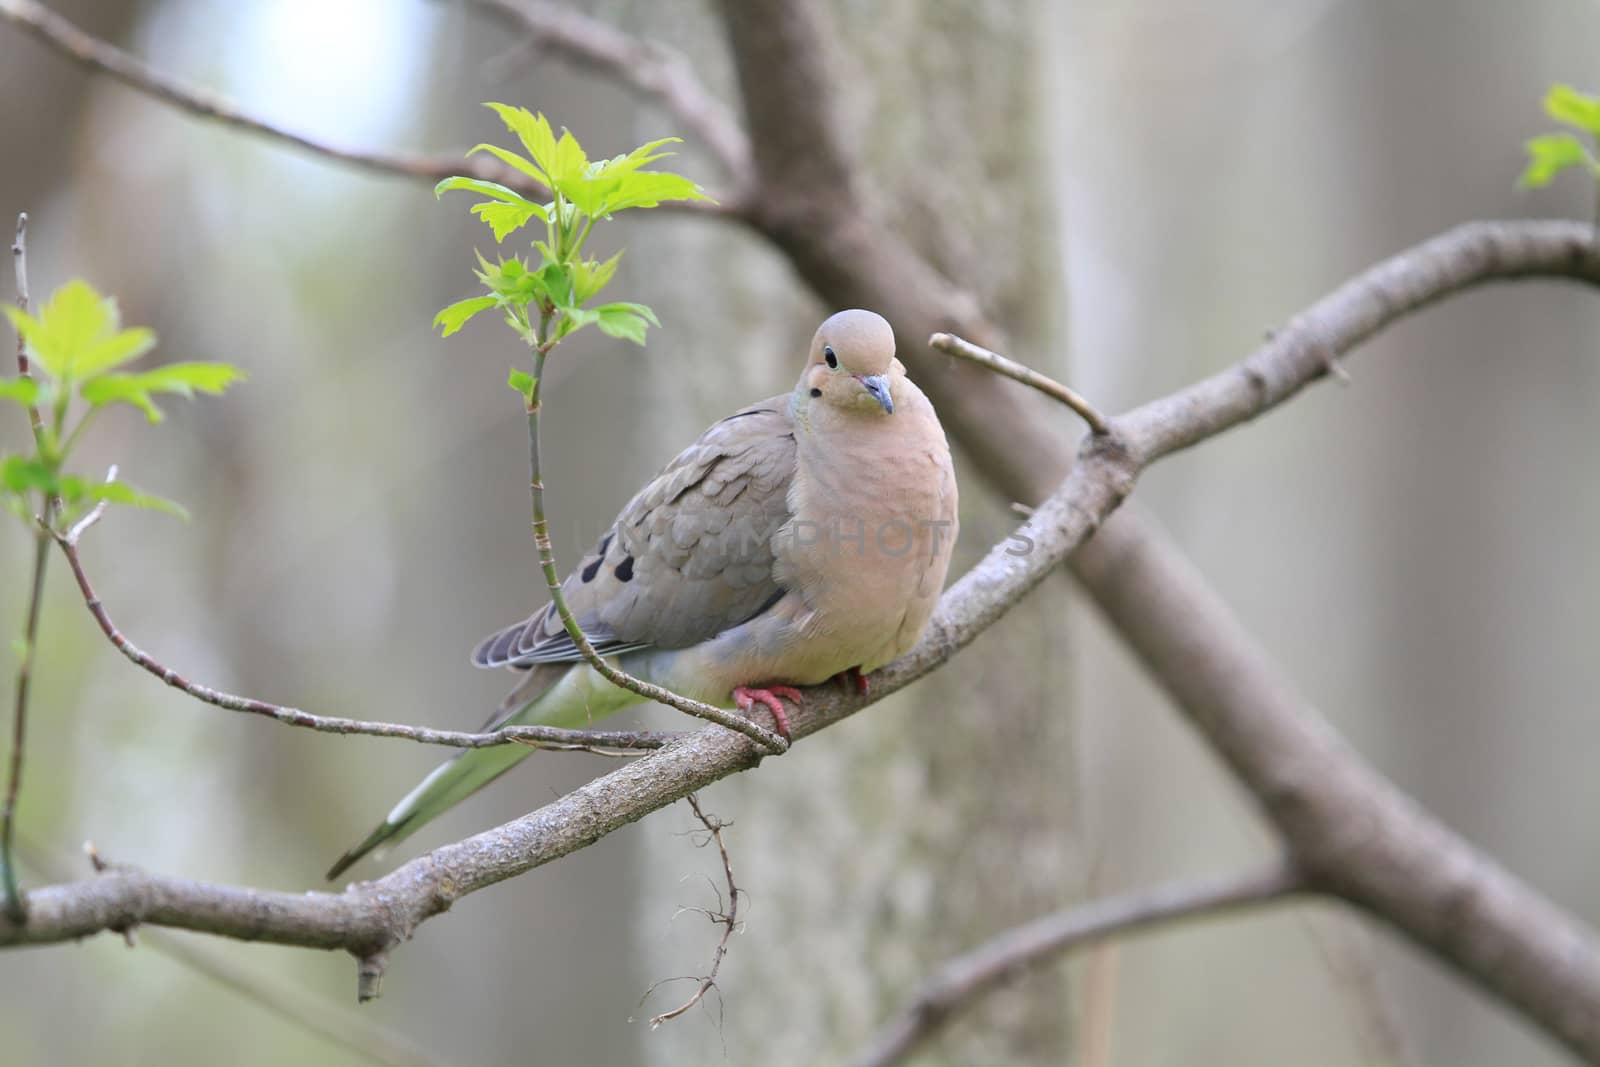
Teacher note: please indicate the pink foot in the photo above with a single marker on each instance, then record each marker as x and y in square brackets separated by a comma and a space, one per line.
[853, 680]
[747, 697]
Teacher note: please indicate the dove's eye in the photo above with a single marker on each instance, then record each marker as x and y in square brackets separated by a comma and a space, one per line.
[827, 354]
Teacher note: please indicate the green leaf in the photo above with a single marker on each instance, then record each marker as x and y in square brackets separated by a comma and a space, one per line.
[24, 391]
[113, 389]
[557, 280]
[570, 161]
[1549, 155]
[122, 347]
[648, 188]
[574, 319]
[75, 333]
[506, 210]
[456, 315]
[590, 277]
[123, 493]
[534, 131]
[522, 382]
[626, 321]
[21, 474]
[493, 190]
[1566, 104]
[645, 153]
[510, 158]
[504, 219]
[184, 379]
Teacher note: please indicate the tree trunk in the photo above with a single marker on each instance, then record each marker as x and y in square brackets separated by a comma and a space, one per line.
[878, 849]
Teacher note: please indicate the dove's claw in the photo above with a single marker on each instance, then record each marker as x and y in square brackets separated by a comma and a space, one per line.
[748, 697]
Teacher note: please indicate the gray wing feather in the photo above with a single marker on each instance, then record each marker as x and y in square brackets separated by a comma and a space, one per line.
[688, 557]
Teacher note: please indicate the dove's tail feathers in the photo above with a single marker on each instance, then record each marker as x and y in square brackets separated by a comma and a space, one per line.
[448, 785]
[551, 695]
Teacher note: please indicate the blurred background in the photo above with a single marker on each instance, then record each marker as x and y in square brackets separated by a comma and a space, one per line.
[1161, 182]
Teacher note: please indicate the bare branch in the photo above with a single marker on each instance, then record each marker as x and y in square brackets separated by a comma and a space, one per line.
[966, 979]
[300, 1007]
[602, 742]
[89, 51]
[1144, 586]
[649, 69]
[951, 345]
[1401, 865]
[727, 918]
[851, 260]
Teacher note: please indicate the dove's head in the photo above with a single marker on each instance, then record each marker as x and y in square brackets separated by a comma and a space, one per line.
[852, 365]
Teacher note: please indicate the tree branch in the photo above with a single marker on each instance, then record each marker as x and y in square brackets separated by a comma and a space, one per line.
[1129, 568]
[1352, 833]
[602, 742]
[88, 51]
[649, 69]
[964, 980]
[960, 348]
[293, 1002]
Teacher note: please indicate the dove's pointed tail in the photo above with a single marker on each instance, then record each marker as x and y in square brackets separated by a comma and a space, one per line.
[556, 694]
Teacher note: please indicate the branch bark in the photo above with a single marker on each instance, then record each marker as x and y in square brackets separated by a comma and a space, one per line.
[88, 51]
[1130, 569]
[1351, 833]
[1434, 888]
[964, 980]
[602, 742]
[650, 69]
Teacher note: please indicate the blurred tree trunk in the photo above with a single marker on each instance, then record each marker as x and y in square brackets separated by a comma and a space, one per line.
[877, 850]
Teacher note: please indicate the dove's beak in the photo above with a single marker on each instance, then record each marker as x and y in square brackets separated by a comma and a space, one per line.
[878, 386]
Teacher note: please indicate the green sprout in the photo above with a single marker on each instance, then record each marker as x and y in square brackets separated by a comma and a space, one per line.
[555, 285]
[1551, 153]
[548, 296]
[76, 347]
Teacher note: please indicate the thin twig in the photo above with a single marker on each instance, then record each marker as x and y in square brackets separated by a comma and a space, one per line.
[47, 26]
[15, 906]
[763, 737]
[646, 67]
[964, 980]
[951, 345]
[19, 264]
[601, 742]
[728, 919]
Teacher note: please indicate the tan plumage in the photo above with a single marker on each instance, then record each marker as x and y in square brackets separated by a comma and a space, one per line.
[798, 538]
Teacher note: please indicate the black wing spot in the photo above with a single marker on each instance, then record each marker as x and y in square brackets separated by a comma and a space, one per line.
[624, 571]
[588, 572]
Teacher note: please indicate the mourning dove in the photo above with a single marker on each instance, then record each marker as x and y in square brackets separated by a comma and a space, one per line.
[804, 537]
